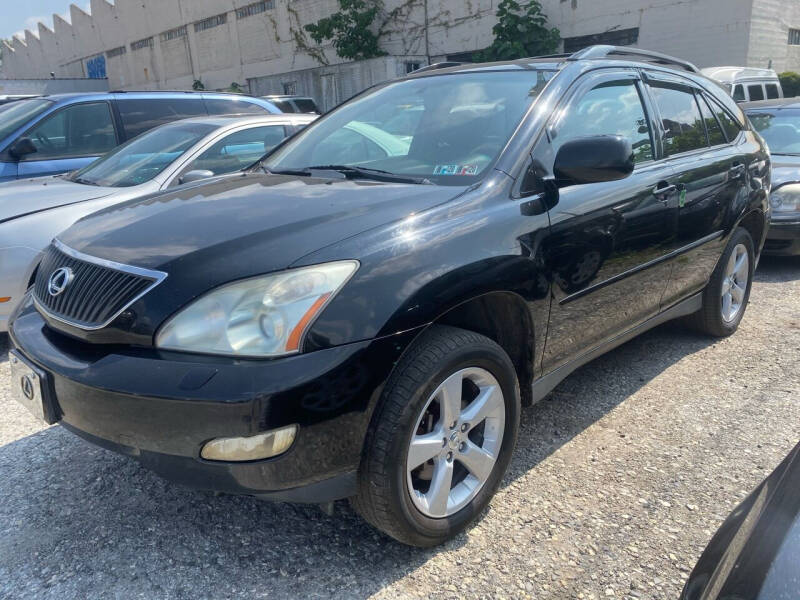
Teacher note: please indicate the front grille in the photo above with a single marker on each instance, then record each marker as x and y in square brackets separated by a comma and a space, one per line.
[97, 292]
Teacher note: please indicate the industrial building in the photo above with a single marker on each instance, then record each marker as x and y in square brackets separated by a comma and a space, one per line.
[263, 47]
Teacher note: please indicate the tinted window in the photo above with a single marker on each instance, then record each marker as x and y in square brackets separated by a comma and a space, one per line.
[78, 130]
[283, 105]
[731, 127]
[610, 109]
[738, 93]
[233, 106]
[780, 128]
[680, 116]
[17, 114]
[715, 135]
[142, 114]
[143, 158]
[304, 105]
[756, 92]
[772, 91]
[238, 150]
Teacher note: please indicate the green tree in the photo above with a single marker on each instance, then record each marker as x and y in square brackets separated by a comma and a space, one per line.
[790, 82]
[351, 29]
[236, 88]
[521, 31]
[198, 86]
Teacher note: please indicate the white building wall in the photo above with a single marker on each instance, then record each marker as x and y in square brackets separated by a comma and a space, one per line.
[772, 20]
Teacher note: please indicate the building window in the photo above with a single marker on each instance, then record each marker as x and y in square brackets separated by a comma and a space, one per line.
[618, 37]
[794, 37]
[254, 9]
[211, 22]
[412, 66]
[290, 88]
[114, 52]
[172, 34]
[141, 44]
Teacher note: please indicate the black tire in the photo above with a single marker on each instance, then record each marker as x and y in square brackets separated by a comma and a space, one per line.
[709, 319]
[383, 498]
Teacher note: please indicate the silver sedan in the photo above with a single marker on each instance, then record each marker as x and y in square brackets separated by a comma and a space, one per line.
[33, 211]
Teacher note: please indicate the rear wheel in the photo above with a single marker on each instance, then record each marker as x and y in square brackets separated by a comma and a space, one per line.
[441, 438]
[728, 291]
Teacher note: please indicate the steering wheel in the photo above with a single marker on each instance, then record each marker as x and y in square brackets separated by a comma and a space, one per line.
[45, 142]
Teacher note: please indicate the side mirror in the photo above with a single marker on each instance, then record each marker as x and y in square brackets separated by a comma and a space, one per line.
[22, 147]
[196, 175]
[593, 160]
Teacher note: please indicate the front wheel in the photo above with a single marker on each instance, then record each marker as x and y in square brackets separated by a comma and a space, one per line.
[441, 439]
[728, 291]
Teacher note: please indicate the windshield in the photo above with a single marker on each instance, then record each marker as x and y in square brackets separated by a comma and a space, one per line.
[447, 129]
[144, 157]
[781, 130]
[16, 114]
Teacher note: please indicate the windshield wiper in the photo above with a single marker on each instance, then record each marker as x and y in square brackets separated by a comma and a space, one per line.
[84, 181]
[370, 173]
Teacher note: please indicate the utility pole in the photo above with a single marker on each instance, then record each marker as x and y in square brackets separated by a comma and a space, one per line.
[427, 34]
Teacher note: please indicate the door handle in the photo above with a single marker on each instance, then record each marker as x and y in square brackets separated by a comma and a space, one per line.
[663, 193]
[736, 171]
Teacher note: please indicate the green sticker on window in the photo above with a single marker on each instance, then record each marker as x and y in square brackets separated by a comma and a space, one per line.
[682, 199]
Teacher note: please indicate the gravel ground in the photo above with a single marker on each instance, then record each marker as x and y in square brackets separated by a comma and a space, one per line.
[620, 478]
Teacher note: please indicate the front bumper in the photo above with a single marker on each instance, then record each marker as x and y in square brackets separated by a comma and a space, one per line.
[161, 407]
[783, 238]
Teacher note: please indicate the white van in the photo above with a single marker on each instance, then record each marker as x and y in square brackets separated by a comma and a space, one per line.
[747, 84]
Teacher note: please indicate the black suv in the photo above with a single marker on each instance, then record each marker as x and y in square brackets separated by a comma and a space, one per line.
[362, 314]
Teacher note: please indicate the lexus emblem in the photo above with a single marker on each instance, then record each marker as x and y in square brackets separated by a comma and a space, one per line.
[27, 387]
[59, 280]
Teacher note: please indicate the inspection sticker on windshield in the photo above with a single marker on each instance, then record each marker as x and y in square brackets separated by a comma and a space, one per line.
[455, 170]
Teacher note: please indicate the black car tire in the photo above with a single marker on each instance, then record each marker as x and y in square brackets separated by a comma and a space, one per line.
[383, 497]
[709, 318]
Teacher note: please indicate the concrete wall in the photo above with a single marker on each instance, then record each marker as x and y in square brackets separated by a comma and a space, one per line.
[770, 34]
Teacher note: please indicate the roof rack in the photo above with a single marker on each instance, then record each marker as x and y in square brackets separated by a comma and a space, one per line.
[595, 52]
[436, 66]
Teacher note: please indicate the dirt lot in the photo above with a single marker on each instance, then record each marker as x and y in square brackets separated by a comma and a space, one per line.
[620, 478]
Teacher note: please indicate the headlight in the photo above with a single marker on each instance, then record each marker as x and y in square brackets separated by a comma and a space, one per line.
[786, 199]
[262, 316]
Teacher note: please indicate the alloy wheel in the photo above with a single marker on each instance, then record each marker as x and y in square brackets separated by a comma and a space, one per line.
[734, 283]
[456, 442]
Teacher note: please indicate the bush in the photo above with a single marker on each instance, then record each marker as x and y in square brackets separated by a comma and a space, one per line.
[790, 82]
[521, 31]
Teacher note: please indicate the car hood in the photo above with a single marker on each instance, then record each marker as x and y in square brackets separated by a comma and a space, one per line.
[26, 196]
[785, 169]
[250, 223]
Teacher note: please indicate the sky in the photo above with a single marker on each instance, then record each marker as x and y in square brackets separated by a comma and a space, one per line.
[16, 16]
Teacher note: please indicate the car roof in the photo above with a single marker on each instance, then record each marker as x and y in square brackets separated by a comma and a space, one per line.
[233, 120]
[777, 103]
[730, 74]
[88, 96]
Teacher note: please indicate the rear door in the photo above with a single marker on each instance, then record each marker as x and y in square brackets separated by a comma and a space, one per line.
[609, 241]
[709, 171]
[69, 139]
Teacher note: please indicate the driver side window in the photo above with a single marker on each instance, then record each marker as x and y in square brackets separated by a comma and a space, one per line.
[74, 131]
[612, 108]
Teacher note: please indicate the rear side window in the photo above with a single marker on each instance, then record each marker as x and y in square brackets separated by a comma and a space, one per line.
[613, 108]
[233, 106]
[731, 127]
[304, 105]
[715, 134]
[772, 91]
[681, 119]
[738, 93]
[77, 130]
[756, 92]
[142, 114]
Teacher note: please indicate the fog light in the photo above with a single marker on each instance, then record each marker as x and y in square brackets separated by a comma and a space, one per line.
[238, 449]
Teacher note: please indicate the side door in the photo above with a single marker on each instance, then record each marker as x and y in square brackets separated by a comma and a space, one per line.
[709, 173]
[69, 139]
[233, 151]
[608, 242]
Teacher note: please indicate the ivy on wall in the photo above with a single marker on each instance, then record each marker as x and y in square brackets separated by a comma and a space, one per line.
[521, 31]
[351, 29]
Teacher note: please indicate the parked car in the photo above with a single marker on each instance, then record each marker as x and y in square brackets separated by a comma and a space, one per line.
[778, 122]
[9, 98]
[61, 133]
[33, 211]
[747, 84]
[316, 330]
[294, 104]
[756, 552]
